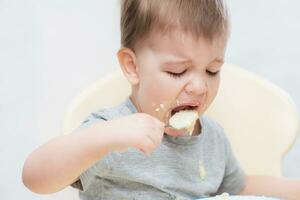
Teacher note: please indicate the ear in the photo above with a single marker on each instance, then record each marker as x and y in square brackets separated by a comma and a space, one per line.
[127, 60]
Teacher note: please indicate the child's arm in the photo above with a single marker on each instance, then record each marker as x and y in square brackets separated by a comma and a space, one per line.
[58, 163]
[287, 189]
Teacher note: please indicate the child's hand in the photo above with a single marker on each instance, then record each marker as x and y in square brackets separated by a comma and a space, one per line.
[139, 130]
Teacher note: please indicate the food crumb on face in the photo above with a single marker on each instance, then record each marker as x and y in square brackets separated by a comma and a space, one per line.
[161, 106]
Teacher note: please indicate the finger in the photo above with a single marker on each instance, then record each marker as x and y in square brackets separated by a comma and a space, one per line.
[159, 123]
[158, 131]
[147, 146]
[161, 128]
[155, 139]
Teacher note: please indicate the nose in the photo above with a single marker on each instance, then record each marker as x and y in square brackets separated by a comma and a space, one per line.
[197, 86]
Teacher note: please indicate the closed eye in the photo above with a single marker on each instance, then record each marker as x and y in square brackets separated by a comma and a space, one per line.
[212, 73]
[177, 75]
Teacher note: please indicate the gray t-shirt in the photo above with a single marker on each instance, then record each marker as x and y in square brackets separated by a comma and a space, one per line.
[187, 167]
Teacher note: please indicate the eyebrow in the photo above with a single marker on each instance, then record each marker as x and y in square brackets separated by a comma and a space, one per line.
[177, 62]
[217, 60]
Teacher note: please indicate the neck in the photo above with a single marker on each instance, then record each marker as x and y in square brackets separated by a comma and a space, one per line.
[133, 98]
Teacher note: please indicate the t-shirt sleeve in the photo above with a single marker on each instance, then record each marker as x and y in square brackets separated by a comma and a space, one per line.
[234, 176]
[101, 166]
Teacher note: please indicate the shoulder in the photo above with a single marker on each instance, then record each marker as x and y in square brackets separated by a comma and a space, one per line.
[112, 112]
[106, 114]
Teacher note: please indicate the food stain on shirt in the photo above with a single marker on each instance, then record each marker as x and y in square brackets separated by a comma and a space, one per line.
[202, 172]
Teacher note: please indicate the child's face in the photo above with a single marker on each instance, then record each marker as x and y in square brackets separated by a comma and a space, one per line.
[175, 69]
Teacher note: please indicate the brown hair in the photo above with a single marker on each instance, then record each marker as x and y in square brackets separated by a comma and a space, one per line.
[201, 18]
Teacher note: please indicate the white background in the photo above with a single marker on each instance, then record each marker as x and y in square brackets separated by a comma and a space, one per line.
[51, 50]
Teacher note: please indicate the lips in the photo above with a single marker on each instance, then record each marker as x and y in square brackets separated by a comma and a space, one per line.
[184, 107]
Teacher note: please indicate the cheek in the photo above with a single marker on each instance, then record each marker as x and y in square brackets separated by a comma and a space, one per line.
[157, 93]
[161, 87]
[213, 89]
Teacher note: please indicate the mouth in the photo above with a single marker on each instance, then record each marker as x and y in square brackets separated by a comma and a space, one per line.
[182, 123]
[183, 107]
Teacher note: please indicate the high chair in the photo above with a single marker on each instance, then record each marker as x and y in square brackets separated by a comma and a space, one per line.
[259, 118]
